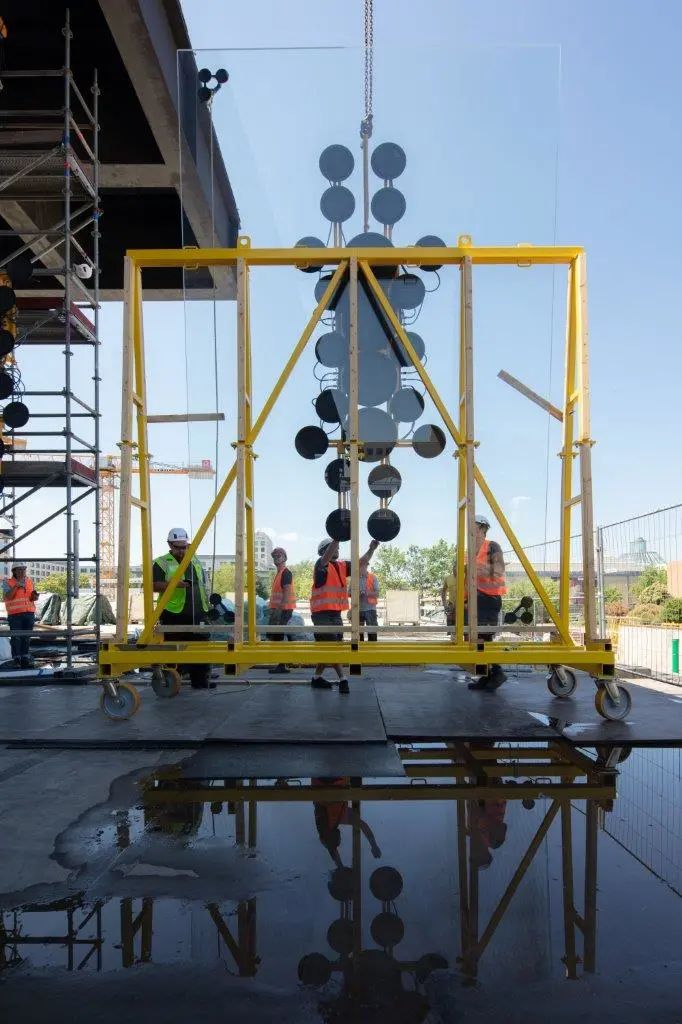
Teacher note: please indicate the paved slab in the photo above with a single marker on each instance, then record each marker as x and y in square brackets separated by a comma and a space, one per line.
[293, 761]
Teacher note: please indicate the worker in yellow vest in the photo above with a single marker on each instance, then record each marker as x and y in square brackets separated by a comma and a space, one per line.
[369, 596]
[189, 604]
[282, 600]
[20, 597]
[490, 588]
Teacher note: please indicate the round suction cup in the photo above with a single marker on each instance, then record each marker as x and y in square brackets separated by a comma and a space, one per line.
[8, 298]
[310, 242]
[331, 405]
[407, 291]
[6, 384]
[388, 161]
[378, 434]
[314, 969]
[6, 342]
[379, 377]
[337, 475]
[16, 414]
[406, 406]
[320, 288]
[204, 75]
[336, 163]
[374, 240]
[337, 524]
[387, 929]
[337, 204]
[311, 442]
[386, 884]
[221, 76]
[418, 345]
[388, 205]
[384, 481]
[428, 441]
[340, 936]
[431, 242]
[331, 349]
[383, 525]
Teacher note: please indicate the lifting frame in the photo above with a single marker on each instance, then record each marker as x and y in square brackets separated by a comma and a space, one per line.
[244, 648]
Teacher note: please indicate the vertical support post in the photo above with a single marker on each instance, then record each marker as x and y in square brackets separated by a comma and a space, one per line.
[567, 881]
[140, 401]
[463, 880]
[146, 929]
[467, 300]
[241, 461]
[600, 582]
[354, 427]
[126, 446]
[585, 445]
[471, 962]
[95, 368]
[76, 557]
[590, 914]
[252, 634]
[66, 143]
[567, 452]
[461, 475]
[356, 861]
[253, 818]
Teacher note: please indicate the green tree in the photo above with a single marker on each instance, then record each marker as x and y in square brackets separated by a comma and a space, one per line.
[55, 583]
[613, 595]
[646, 579]
[223, 580]
[415, 568]
[655, 593]
[672, 610]
[438, 561]
[303, 578]
[390, 566]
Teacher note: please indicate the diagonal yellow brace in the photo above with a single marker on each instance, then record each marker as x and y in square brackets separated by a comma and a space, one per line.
[179, 573]
[390, 314]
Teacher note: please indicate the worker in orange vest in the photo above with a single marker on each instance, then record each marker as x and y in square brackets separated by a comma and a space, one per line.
[369, 596]
[329, 599]
[282, 600]
[490, 587]
[20, 596]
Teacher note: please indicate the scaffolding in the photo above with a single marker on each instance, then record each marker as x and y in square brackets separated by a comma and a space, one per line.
[465, 645]
[49, 194]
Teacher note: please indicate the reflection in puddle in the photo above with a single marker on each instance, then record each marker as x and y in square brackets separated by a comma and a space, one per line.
[367, 896]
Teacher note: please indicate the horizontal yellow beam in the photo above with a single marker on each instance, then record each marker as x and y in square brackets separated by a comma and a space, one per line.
[411, 255]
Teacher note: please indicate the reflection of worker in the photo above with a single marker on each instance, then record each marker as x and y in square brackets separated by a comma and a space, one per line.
[282, 600]
[448, 596]
[330, 816]
[329, 598]
[20, 596]
[189, 604]
[487, 830]
[174, 819]
[490, 586]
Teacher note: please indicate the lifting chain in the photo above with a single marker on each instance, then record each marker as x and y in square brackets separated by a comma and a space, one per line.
[366, 123]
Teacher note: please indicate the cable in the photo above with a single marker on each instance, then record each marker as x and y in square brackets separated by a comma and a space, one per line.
[366, 122]
[215, 350]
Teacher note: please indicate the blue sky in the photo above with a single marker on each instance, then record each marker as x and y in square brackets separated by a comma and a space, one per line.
[482, 97]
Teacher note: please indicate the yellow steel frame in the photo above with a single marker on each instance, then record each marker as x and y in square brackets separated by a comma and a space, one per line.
[465, 648]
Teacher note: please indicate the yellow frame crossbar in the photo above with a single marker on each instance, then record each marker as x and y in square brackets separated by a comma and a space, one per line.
[593, 655]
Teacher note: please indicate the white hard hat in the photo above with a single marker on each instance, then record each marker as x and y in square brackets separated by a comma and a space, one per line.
[482, 521]
[177, 534]
[323, 545]
[19, 565]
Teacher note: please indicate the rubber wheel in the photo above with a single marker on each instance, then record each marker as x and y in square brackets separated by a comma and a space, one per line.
[608, 708]
[603, 752]
[562, 682]
[124, 705]
[166, 682]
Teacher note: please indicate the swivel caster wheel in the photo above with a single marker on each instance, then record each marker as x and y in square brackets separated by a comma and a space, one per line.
[121, 705]
[166, 682]
[610, 709]
[562, 681]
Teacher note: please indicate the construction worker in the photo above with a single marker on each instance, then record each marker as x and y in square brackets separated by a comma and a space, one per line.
[448, 595]
[330, 816]
[20, 597]
[490, 587]
[369, 596]
[329, 599]
[282, 600]
[189, 604]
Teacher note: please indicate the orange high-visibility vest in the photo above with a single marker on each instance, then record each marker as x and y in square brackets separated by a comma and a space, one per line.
[277, 599]
[19, 601]
[332, 596]
[486, 582]
[370, 593]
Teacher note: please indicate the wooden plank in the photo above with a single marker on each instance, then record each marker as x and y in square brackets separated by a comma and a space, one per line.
[125, 493]
[523, 389]
[241, 466]
[354, 418]
[144, 502]
[585, 442]
[191, 417]
[467, 298]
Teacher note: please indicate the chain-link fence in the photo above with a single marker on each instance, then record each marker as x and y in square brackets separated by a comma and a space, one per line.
[639, 588]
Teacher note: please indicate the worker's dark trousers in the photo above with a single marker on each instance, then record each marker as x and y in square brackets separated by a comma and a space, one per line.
[368, 617]
[488, 608]
[199, 675]
[20, 644]
[279, 617]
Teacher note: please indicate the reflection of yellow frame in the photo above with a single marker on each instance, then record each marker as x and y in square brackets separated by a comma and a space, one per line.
[465, 648]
